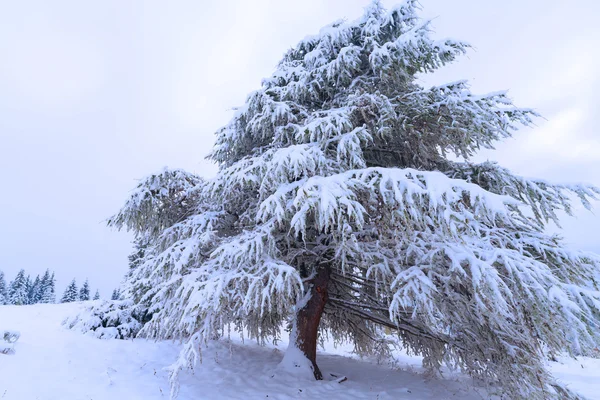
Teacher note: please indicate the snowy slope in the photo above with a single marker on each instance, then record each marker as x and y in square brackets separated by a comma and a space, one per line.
[51, 363]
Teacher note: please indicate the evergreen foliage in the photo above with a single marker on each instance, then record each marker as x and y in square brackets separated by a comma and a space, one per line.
[338, 181]
[47, 288]
[3, 290]
[96, 295]
[116, 295]
[18, 290]
[108, 320]
[84, 292]
[23, 290]
[34, 292]
[137, 256]
[28, 288]
[71, 293]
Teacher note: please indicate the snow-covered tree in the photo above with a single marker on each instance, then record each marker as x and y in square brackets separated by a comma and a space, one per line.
[3, 290]
[33, 293]
[346, 202]
[28, 288]
[17, 290]
[159, 201]
[84, 292]
[44, 285]
[137, 256]
[119, 319]
[71, 293]
[47, 288]
[96, 295]
[116, 294]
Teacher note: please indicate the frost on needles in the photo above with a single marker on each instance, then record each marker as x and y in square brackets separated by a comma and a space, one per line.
[337, 208]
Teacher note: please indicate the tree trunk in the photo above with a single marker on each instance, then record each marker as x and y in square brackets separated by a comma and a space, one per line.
[308, 318]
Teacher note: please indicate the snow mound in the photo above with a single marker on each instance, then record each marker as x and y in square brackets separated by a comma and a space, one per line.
[115, 319]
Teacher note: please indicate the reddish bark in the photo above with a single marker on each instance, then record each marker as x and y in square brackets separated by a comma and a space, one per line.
[309, 317]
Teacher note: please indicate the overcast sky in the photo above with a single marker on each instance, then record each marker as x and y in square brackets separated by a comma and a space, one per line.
[95, 95]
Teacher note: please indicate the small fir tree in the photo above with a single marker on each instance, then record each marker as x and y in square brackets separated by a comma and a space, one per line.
[44, 285]
[52, 288]
[18, 291]
[34, 292]
[116, 295]
[71, 293]
[3, 290]
[47, 291]
[28, 288]
[96, 295]
[84, 292]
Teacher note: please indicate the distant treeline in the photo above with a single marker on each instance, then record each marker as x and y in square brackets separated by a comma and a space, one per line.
[42, 289]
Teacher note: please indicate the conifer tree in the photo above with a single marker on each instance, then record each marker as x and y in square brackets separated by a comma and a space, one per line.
[116, 295]
[3, 290]
[346, 201]
[71, 293]
[137, 256]
[84, 292]
[52, 288]
[44, 285]
[28, 288]
[97, 295]
[17, 292]
[34, 291]
[47, 291]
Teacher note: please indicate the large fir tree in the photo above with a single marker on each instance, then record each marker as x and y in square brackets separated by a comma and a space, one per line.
[342, 204]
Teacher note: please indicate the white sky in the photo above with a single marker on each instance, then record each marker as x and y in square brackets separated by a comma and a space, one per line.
[94, 95]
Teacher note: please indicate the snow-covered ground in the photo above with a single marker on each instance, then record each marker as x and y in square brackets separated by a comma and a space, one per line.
[52, 363]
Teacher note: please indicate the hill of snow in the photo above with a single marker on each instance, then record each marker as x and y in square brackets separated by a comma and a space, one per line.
[52, 363]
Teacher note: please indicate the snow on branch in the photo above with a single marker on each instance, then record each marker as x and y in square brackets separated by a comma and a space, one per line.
[158, 201]
[542, 198]
[422, 198]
